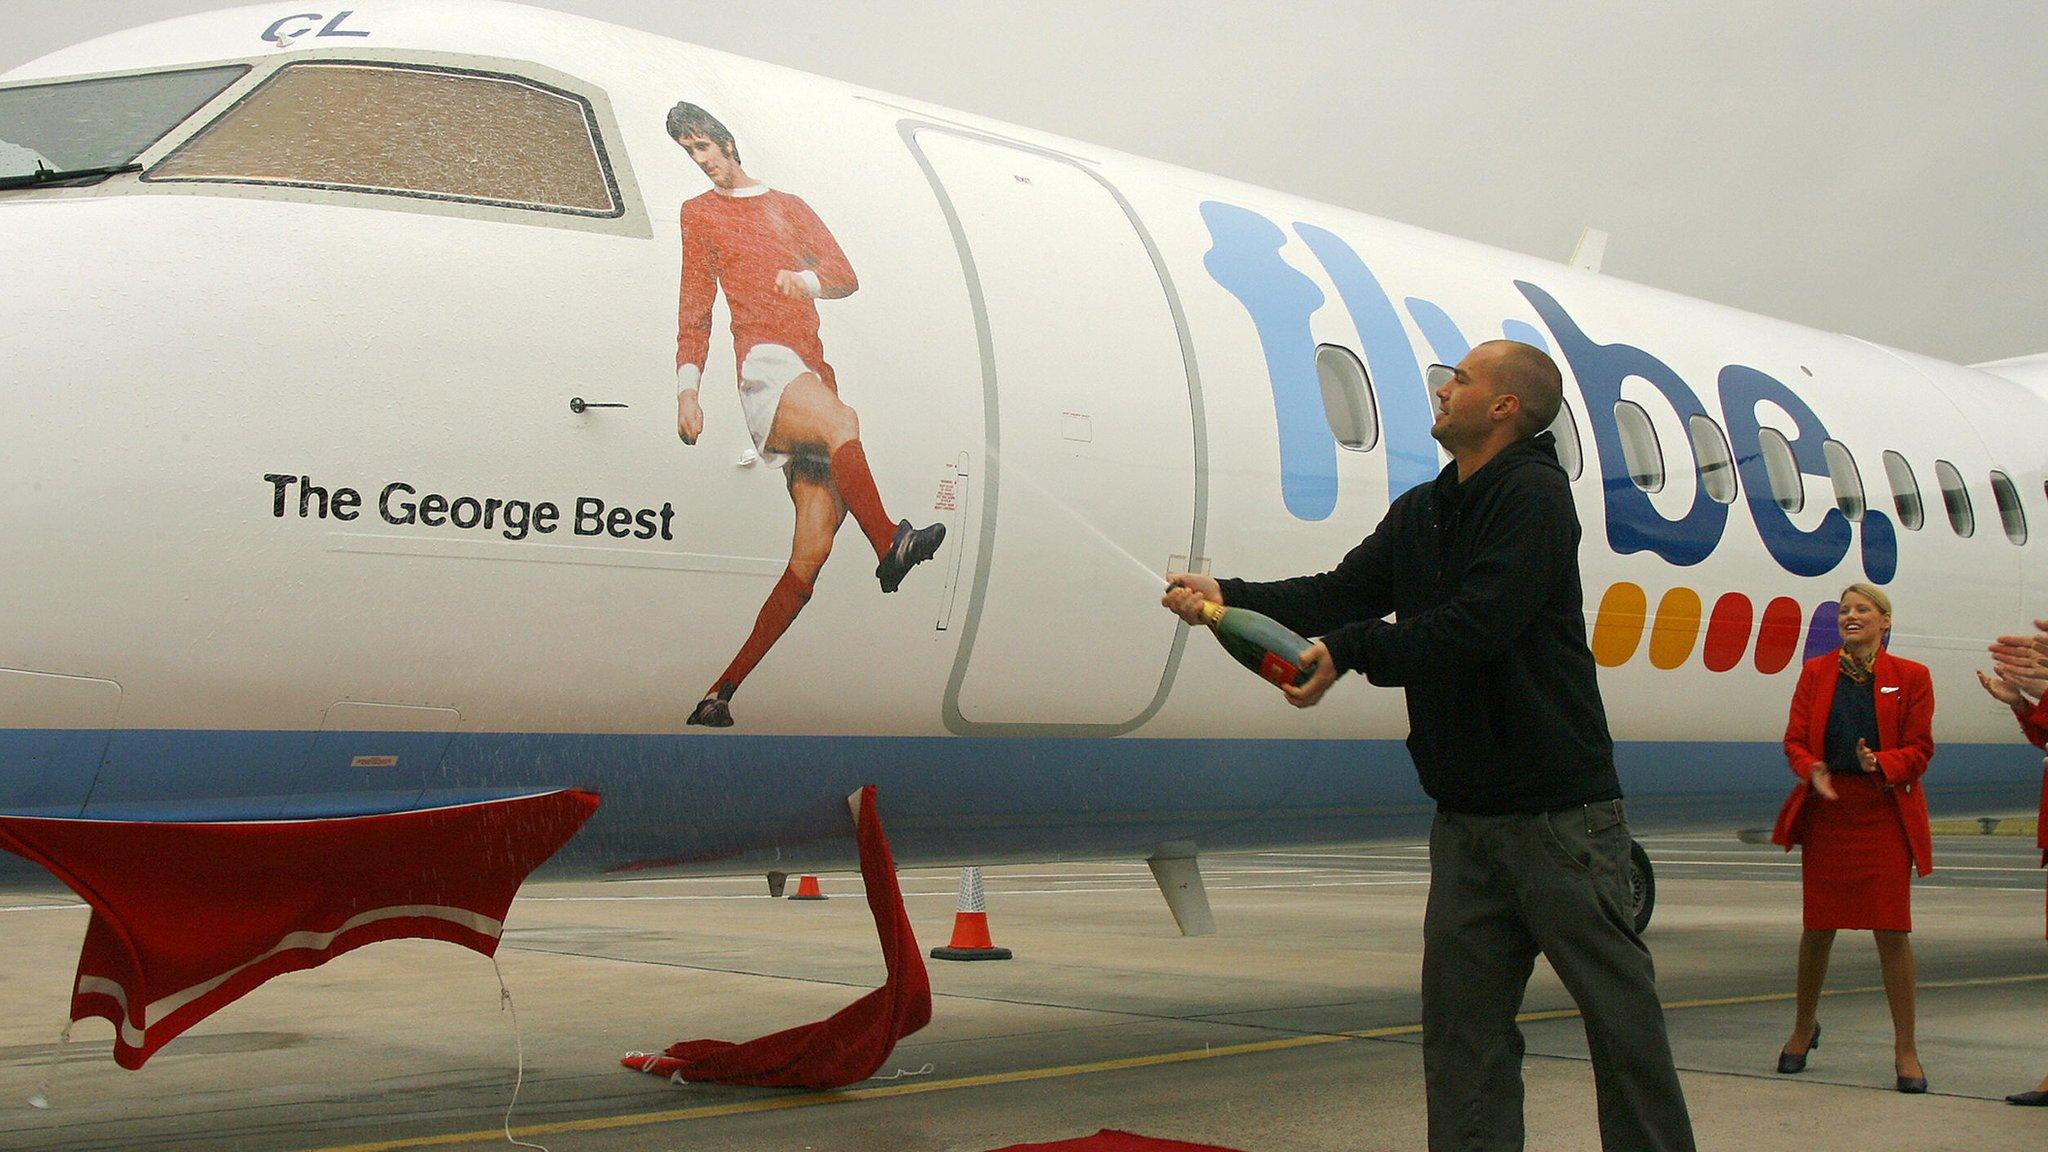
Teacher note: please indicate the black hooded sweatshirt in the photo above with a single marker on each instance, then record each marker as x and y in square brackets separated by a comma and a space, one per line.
[1488, 638]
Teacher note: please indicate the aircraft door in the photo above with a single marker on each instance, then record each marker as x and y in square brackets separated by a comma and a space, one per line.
[53, 735]
[1092, 456]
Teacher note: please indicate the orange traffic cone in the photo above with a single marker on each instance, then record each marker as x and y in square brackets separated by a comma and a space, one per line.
[807, 889]
[970, 925]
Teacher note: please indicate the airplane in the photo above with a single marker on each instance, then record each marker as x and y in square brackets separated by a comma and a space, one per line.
[351, 463]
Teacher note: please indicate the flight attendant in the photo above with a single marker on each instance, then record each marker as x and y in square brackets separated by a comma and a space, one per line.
[1859, 738]
[2020, 681]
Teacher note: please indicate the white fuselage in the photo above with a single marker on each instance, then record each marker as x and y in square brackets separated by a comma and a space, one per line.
[1089, 367]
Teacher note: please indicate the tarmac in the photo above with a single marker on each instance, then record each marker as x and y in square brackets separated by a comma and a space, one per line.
[1295, 1028]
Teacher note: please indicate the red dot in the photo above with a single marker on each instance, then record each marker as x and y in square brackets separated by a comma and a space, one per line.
[1728, 632]
[1777, 638]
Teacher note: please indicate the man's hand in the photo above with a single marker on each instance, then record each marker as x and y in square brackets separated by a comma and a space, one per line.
[792, 285]
[689, 416]
[1186, 592]
[1823, 781]
[1322, 672]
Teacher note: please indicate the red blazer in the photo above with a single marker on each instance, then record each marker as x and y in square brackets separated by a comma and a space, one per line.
[1905, 726]
[2035, 725]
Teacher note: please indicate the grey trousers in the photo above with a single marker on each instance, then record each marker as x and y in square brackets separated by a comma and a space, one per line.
[1501, 889]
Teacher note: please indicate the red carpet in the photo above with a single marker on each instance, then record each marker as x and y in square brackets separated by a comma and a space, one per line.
[1110, 1140]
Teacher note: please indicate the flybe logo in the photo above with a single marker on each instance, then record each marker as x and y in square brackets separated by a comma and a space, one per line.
[1245, 258]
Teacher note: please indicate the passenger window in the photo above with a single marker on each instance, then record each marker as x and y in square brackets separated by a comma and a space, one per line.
[1566, 429]
[1347, 397]
[2009, 511]
[1905, 491]
[1717, 466]
[407, 130]
[1953, 494]
[1847, 480]
[1787, 488]
[1639, 447]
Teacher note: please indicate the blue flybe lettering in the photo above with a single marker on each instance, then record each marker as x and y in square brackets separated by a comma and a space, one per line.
[1524, 332]
[1449, 344]
[1802, 553]
[1633, 522]
[1245, 259]
[1880, 547]
[1397, 379]
[1439, 329]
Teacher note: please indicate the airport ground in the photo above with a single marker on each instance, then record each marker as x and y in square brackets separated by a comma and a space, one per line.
[1293, 1029]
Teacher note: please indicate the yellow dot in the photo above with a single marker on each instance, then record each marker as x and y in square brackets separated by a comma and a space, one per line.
[1618, 626]
[1677, 628]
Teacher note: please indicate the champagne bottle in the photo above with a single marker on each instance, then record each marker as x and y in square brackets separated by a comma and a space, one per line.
[1259, 643]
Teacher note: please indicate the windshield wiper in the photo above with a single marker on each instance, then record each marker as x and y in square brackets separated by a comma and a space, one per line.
[47, 175]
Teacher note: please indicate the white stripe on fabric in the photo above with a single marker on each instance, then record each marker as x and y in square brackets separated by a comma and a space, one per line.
[155, 1012]
[105, 987]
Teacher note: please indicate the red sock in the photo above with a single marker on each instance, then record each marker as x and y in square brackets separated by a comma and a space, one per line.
[790, 594]
[857, 487]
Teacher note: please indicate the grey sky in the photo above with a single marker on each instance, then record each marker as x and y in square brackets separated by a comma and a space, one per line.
[1874, 169]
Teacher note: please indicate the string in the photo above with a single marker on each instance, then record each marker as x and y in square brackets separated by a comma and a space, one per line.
[40, 1098]
[900, 1073]
[519, 1045]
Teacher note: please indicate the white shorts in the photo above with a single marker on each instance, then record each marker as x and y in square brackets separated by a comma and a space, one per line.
[768, 370]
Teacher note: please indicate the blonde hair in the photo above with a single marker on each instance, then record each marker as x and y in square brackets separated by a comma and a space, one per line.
[1872, 593]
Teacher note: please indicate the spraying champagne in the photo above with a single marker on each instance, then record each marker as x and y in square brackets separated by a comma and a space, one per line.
[1258, 642]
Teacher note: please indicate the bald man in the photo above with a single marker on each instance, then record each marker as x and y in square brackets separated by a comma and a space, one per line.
[1529, 852]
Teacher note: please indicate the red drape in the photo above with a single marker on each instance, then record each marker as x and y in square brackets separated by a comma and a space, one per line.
[852, 1043]
[189, 917]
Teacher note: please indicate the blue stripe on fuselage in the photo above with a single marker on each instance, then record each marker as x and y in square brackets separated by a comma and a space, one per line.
[696, 795]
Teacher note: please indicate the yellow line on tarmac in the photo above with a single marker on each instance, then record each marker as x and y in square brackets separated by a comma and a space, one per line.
[816, 1099]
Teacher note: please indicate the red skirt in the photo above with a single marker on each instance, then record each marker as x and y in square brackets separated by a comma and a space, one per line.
[1857, 866]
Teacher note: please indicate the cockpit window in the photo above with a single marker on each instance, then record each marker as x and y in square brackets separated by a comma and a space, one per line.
[408, 130]
[92, 125]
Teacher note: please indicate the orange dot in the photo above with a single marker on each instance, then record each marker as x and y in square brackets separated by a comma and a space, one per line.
[1618, 626]
[1676, 629]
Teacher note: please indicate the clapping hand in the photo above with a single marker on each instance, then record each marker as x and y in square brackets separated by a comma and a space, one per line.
[2004, 691]
[1823, 781]
[2020, 664]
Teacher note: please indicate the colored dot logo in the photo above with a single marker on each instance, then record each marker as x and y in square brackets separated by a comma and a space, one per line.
[1675, 630]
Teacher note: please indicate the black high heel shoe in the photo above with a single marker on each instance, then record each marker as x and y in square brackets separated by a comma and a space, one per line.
[1789, 1063]
[1912, 1085]
[2032, 1099]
